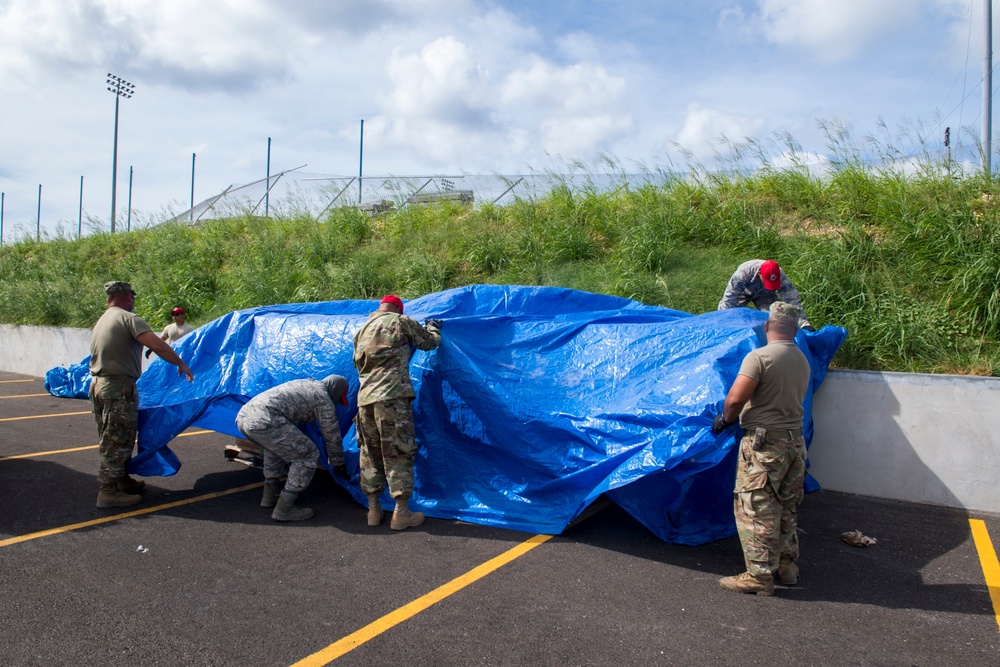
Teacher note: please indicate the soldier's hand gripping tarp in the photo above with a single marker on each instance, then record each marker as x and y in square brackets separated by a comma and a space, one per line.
[538, 401]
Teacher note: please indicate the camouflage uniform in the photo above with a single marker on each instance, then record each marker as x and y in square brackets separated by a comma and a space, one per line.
[767, 496]
[115, 402]
[385, 414]
[270, 420]
[770, 476]
[745, 286]
[115, 365]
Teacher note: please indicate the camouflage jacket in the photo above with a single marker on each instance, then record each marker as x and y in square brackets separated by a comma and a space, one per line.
[295, 402]
[382, 355]
[745, 287]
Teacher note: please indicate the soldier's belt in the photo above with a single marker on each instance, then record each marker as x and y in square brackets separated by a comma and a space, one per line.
[779, 433]
[116, 379]
[784, 433]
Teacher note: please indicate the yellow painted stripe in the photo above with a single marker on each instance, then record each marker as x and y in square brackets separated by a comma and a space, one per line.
[9, 381]
[61, 414]
[988, 560]
[186, 433]
[377, 627]
[54, 451]
[126, 515]
[27, 395]
[80, 449]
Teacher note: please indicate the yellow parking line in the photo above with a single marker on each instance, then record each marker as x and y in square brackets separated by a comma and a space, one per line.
[54, 451]
[61, 414]
[27, 395]
[9, 381]
[80, 449]
[126, 515]
[988, 560]
[377, 627]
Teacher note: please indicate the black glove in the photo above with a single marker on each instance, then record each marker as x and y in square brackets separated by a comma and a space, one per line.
[809, 327]
[148, 352]
[431, 323]
[719, 424]
[341, 472]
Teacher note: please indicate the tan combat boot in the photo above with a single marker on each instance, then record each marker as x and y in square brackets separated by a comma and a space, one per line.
[285, 510]
[403, 518]
[112, 496]
[130, 485]
[748, 583]
[374, 510]
[788, 571]
[272, 488]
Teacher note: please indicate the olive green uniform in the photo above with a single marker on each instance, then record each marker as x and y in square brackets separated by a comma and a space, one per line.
[771, 469]
[115, 365]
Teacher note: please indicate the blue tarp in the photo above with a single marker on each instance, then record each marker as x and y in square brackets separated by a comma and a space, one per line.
[72, 382]
[538, 401]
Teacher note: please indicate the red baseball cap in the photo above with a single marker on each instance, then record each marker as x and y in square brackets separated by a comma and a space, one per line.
[394, 300]
[177, 311]
[770, 274]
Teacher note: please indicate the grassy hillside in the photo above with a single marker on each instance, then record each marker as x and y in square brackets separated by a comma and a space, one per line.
[909, 265]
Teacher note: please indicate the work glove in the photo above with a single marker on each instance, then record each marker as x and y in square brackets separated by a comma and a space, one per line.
[719, 424]
[433, 325]
[809, 327]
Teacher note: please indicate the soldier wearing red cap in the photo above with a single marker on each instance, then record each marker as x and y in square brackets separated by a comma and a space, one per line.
[385, 416]
[762, 282]
[177, 327]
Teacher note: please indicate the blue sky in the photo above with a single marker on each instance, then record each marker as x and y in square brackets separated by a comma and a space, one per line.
[454, 86]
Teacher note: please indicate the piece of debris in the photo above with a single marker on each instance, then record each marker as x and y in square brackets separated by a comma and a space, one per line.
[142, 549]
[858, 539]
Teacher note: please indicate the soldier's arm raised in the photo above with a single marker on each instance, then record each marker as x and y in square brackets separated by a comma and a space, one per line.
[165, 352]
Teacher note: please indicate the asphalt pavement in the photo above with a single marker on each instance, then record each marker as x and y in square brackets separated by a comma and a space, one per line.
[198, 574]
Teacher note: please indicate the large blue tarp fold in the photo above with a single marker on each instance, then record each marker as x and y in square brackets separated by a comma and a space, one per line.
[538, 401]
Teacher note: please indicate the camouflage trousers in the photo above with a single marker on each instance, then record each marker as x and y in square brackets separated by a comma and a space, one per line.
[387, 446]
[284, 447]
[766, 500]
[115, 402]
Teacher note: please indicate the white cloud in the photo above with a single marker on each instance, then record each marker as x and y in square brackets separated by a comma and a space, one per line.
[445, 105]
[186, 42]
[835, 30]
[580, 105]
[815, 163]
[705, 130]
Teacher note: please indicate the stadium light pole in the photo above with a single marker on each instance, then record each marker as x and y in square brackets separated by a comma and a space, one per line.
[267, 187]
[129, 227]
[3, 198]
[121, 88]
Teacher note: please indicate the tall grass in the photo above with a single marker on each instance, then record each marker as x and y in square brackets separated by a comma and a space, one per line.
[908, 260]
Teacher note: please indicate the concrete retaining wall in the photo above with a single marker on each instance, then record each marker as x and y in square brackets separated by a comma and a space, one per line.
[920, 438]
[34, 350]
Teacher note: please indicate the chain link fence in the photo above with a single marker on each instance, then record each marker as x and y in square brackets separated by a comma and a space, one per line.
[295, 191]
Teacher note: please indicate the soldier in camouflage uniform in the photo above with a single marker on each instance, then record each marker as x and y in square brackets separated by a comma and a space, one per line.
[115, 348]
[761, 282]
[385, 414]
[767, 398]
[271, 421]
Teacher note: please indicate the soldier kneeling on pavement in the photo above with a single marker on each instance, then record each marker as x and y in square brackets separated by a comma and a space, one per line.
[271, 419]
[767, 398]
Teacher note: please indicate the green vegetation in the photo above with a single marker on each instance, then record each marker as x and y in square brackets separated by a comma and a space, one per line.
[908, 264]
